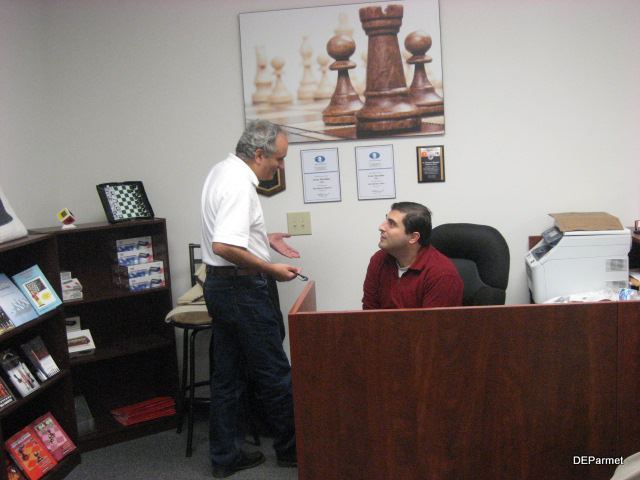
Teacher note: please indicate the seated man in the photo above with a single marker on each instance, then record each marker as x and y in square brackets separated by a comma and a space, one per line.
[407, 272]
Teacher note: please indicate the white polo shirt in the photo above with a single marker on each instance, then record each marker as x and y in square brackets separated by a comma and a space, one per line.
[231, 211]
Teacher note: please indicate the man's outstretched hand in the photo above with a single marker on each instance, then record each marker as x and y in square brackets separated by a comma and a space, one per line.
[276, 241]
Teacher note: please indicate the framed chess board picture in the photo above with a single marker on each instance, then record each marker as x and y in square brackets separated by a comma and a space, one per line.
[369, 70]
[124, 201]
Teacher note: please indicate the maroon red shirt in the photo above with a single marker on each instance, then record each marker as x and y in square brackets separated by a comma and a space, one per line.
[431, 281]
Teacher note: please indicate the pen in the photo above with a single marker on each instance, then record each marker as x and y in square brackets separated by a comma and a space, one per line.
[302, 277]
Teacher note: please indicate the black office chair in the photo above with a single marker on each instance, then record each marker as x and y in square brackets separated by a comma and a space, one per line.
[481, 255]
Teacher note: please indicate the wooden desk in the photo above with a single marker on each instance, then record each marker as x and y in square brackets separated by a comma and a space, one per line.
[469, 393]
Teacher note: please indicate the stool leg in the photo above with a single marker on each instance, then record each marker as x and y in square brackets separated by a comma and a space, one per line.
[183, 381]
[192, 390]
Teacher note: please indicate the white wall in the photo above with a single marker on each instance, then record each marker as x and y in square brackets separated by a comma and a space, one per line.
[542, 102]
[28, 175]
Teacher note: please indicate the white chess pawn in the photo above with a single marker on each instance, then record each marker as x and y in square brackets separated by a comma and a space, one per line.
[308, 83]
[343, 27]
[280, 94]
[263, 80]
[325, 88]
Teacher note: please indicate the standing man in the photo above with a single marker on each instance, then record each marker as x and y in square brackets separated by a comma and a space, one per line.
[407, 271]
[246, 336]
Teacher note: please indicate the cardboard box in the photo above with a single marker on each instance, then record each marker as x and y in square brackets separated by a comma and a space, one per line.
[133, 251]
[80, 343]
[139, 277]
[586, 221]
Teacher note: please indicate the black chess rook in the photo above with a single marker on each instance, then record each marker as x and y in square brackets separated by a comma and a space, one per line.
[388, 105]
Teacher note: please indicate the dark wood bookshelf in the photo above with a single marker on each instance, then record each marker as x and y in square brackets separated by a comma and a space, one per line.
[135, 355]
[54, 395]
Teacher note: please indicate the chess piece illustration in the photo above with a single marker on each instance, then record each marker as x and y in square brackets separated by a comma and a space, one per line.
[263, 79]
[280, 95]
[344, 28]
[407, 66]
[422, 91]
[308, 83]
[358, 84]
[388, 106]
[345, 102]
[325, 88]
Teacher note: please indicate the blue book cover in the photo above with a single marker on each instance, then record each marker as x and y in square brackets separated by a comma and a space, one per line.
[35, 286]
[14, 304]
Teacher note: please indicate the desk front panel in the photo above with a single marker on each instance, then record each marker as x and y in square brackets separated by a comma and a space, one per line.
[511, 392]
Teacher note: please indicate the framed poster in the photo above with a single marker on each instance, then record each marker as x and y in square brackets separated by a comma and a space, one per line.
[287, 76]
[430, 164]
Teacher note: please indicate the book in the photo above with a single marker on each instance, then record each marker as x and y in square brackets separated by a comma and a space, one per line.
[5, 322]
[40, 358]
[13, 472]
[35, 286]
[14, 304]
[53, 436]
[18, 373]
[30, 454]
[6, 396]
[80, 343]
[143, 411]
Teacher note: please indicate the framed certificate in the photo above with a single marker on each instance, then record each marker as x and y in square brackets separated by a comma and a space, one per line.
[321, 175]
[430, 164]
[376, 172]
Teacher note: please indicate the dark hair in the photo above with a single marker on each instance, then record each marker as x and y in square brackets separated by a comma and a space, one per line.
[417, 219]
[258, 134]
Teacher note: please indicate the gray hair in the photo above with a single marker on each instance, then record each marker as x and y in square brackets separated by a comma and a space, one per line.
[258, 134]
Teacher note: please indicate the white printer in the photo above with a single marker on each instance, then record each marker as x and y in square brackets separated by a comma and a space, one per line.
[578, 261]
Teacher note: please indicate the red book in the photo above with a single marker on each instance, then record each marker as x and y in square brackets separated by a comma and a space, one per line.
[13, 472]
[147, 410]
[145, 416]
[53, 436]
[30, 454]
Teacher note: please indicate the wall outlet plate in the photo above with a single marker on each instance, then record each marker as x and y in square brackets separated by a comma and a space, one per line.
[299, 223]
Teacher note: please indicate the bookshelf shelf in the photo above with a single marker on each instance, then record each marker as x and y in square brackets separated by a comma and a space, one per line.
[135, 354]
[56, 393]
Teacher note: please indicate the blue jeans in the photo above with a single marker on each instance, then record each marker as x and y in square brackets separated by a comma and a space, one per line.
[246, 341]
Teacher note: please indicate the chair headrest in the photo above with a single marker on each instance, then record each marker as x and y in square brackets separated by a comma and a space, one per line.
[481, 244]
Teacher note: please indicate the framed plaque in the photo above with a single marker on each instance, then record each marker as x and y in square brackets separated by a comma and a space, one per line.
[430, 164]
[275, 185]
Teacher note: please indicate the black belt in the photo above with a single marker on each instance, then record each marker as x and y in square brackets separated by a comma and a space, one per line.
[230, 271]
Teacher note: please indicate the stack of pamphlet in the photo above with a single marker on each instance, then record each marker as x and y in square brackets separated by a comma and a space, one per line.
[71, 287]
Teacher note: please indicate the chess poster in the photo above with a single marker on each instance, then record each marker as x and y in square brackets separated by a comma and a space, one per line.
[369, 70]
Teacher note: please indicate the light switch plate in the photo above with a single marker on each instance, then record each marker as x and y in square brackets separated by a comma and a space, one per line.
[299, 223]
